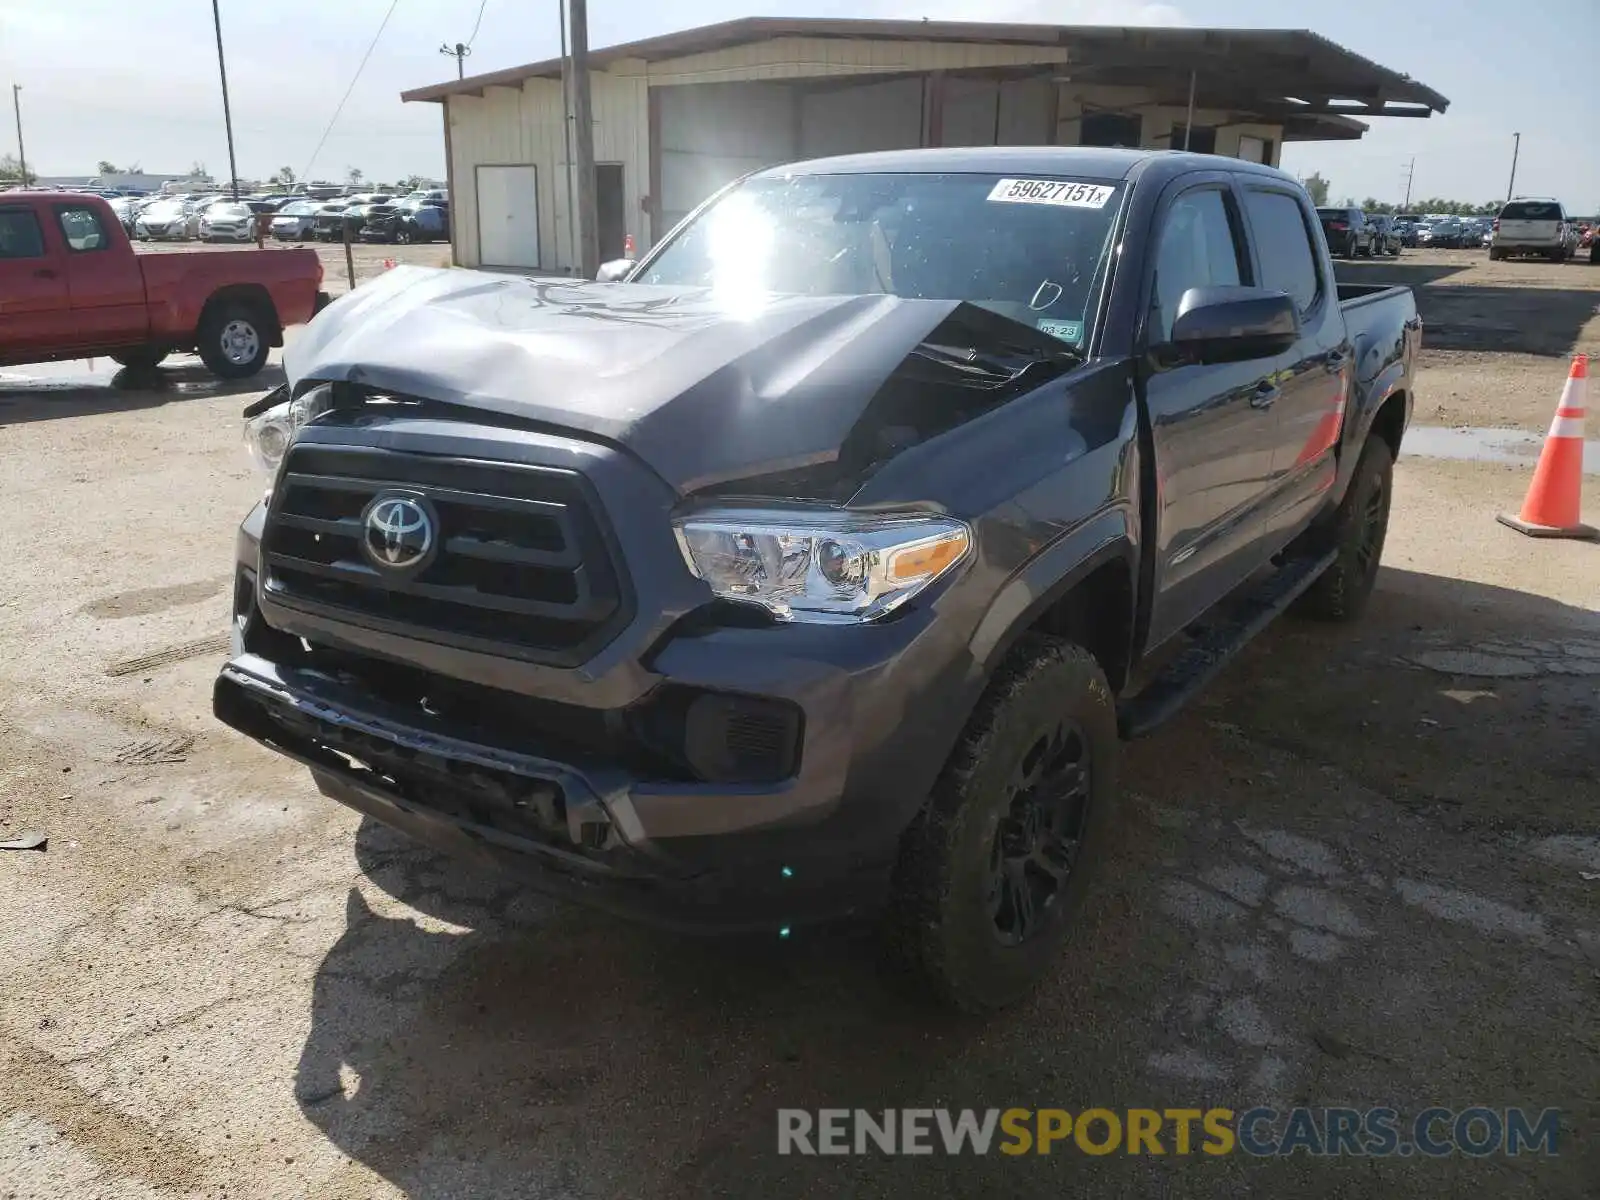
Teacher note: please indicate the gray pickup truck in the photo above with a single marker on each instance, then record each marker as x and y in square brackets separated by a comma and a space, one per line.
[819, 567]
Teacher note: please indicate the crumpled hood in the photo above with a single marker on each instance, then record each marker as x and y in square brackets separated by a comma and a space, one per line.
[703, 388]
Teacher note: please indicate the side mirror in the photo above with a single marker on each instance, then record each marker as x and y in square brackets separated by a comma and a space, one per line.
[1232, 324]
[614, 271]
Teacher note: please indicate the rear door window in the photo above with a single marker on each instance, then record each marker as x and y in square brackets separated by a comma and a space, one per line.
[20, 235]
[1284, 246]
[82, 229]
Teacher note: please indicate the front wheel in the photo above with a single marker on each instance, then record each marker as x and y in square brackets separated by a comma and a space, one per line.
[232, 341]
[996, 865]
[1356, 534]
[402, 237]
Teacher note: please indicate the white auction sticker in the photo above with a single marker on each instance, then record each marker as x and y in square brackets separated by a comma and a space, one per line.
[1062, 192]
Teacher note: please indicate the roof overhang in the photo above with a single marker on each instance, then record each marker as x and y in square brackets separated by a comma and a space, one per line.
[1290, 76]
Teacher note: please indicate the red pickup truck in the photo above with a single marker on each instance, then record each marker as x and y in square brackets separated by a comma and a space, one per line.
[71, 286]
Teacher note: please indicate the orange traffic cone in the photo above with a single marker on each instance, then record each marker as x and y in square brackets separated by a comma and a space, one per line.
[388, 264]
[1555, 496]
[627, 245]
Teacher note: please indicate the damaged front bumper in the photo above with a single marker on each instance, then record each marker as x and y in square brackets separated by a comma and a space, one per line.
[573, 830]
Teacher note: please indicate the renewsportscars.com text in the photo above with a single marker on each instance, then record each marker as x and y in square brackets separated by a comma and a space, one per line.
[1263, 1132]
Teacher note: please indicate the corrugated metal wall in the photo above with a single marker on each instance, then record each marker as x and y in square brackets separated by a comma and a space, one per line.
[512, 125]
[713, 133]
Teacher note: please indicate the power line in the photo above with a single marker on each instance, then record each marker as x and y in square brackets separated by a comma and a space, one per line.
[373, 45]
[473, 36]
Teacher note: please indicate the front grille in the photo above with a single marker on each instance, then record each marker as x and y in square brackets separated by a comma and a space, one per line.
[522, 565]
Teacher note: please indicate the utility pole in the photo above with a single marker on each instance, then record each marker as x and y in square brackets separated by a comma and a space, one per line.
[1516, 145]
[227, 116]
[583, 136]
[1411, 172]
[566, 137]
[22, 155]
[458, 52]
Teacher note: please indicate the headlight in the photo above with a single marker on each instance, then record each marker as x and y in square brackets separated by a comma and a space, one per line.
[820, 565]
[268, 435]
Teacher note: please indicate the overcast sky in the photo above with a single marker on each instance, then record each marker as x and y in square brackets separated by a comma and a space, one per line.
[136, 80]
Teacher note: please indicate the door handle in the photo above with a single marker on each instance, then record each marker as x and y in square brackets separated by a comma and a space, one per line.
[44, 273]
[1265, 395]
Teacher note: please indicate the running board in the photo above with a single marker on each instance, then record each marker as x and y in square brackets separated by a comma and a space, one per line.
[1195, 667]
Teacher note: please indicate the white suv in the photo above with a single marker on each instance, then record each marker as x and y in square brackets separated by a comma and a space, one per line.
[1527, 226]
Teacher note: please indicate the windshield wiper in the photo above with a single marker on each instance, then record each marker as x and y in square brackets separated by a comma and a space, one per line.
[995, 368]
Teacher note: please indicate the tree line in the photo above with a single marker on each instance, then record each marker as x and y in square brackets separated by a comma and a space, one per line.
[1317, 186]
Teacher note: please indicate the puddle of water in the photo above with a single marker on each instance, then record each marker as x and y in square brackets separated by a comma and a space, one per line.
[1486, 445]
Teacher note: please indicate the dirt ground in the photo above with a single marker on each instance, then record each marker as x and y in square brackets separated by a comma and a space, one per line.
[1352, 874]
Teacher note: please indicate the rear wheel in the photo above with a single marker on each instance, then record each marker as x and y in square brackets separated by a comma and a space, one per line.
[1356, 534]
[233, 340]
[996, 866]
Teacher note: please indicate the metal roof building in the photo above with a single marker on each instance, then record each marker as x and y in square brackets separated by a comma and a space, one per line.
[677, 116]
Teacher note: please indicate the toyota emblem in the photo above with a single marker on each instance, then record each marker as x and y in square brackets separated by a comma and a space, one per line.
[398, 532]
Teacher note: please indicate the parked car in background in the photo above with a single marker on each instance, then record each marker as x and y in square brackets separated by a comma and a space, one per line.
[1440, 233]
[295, 221]
[167, 221]
[1407, 228]
[1348, 231]
[364, 207]
[427, 223]
[406, 221]
[76, 289]
[1533, 226]
[126, 209]
[228, 222]
[331, 220]
[1386, 235]
[329, 224]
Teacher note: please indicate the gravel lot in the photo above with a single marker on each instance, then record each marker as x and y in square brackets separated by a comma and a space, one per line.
[1350, 875]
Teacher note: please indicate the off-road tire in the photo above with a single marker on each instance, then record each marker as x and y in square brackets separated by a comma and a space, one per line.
[140, 358]
[1356, 534]
[216, 323]
[939, 924]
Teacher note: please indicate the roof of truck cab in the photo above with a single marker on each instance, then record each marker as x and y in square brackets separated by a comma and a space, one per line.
[1091, 162]
[50, 197]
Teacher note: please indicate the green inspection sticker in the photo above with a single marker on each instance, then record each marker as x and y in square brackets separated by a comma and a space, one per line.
[1067, 331]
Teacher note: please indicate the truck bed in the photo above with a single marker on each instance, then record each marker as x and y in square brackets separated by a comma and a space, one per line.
[1356, 295]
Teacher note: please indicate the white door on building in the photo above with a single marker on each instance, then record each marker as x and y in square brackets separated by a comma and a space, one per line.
[508, 216]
